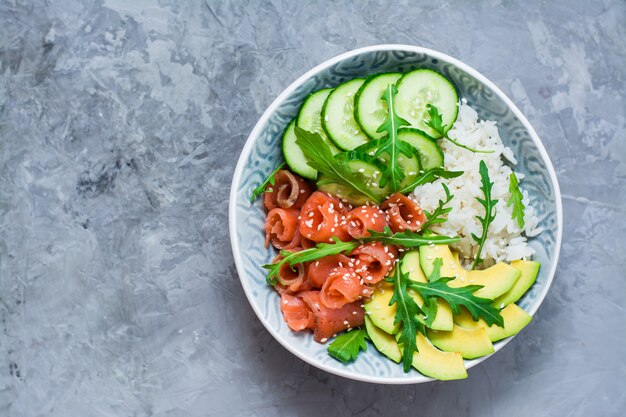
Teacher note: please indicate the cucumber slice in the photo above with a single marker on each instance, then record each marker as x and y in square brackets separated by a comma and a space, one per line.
[429, 152]
[338, 116]
[370, 110]
[420, 87]
[294, 157]
[370, 172]
[310, 116]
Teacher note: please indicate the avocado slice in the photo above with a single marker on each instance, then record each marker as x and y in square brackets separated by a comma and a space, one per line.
[470, 343]
[496, 280]
[515, 319]
[434, 363]
[529, 271]
[411, 265]
[379, 311]
[384, 342]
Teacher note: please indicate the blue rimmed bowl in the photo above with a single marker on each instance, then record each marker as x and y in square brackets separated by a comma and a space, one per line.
[262, 153]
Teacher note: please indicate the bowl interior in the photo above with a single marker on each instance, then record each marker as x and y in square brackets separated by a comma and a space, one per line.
[263, 153]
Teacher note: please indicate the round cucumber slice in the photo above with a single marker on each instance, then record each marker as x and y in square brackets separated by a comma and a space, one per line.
[338, 116]
[310, 116]
[294, 156]
[370, 110]
[417, 89]
[430, 154]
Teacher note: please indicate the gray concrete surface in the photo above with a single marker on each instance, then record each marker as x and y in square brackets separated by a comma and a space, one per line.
[120, 126]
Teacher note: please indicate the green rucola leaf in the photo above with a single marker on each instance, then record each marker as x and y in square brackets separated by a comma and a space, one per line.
[269, 180]
[321, 158]
[437, 216]
[319, 251]
[460, 296]
[490, 211]
[407, 239]
[516, 201]
[430, 176]
[407, 312]
[435, 122]
[391, 145]
[347, 346]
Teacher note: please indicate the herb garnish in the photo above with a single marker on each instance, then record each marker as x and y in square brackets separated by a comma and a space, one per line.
[321, 158]
[392, 146]
[346, 347]
[437, 216]
[435, 122]
[319, 251]
[269, 180]
[516, 201]
[430, 176]
[407, 239]
[490, 210]
[458, 296]
[407, 312]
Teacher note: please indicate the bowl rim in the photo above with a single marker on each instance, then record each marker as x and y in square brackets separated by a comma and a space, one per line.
[248, 146]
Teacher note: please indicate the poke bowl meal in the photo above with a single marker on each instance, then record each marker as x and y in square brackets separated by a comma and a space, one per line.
[394, 218]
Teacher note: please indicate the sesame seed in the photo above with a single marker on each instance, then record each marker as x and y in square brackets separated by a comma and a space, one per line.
[324, 340]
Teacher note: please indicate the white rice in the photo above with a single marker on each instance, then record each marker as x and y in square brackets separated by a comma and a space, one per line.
[505, 240]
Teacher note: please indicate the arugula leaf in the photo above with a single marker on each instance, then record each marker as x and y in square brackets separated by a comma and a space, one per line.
[346, 347]
[392, 146]
[490, 210]
[321, 158]
[435, 275]
[437, 216]
[407, 238]
[460, 296]
[407, 312]
[319, 251]
[435, 122]
[430, 309]
[269, 180]
[516, 201]
[430, 176]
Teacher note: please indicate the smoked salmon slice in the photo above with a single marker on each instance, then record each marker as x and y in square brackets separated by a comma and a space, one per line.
[322, 217]
[373, 261]
[320, 270]
[291, 279]
[296, 312]
[343, 286]
[281, 228]
[404, 213]
[362, 219]
[330, 321]
[288, 191]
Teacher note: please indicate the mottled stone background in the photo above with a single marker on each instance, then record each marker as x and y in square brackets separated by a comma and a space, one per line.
[120, 126]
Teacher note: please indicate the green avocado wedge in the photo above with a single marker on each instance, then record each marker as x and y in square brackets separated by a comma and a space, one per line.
[529, 271]
[379, 311]
[515, 319]
[383, 341]
[434, 363]
[470, 343]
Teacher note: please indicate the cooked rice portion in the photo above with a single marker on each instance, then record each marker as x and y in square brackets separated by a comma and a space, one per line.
[505, 240]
